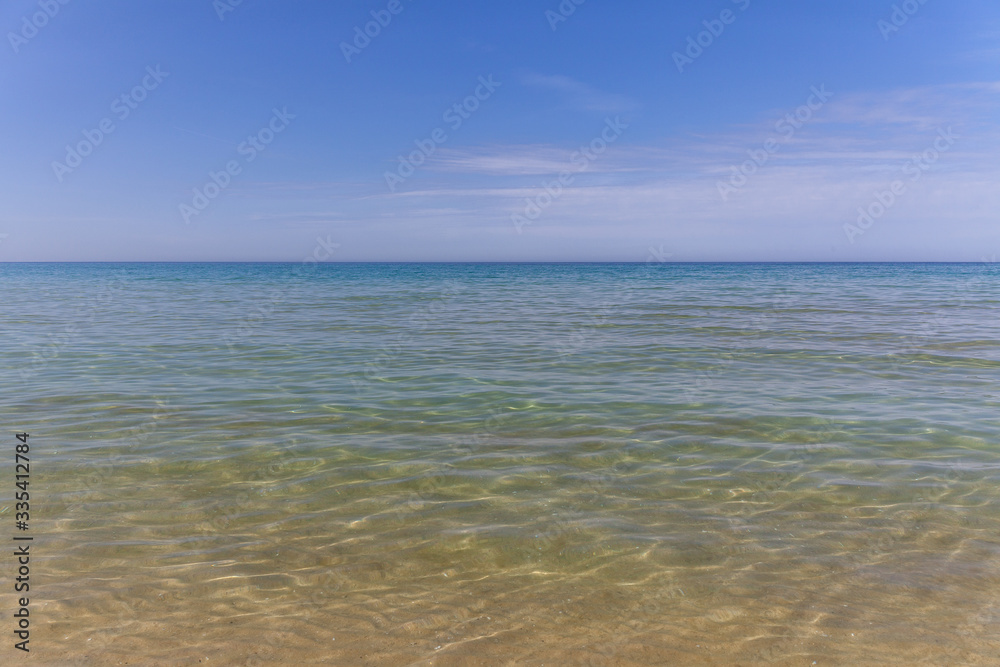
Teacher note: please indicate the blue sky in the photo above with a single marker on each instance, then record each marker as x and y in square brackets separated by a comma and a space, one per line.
[856, 130]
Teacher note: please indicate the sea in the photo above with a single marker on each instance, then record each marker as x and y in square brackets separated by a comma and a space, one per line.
[503, 464]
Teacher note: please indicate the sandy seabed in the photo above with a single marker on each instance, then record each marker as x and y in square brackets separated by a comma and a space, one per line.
[525, 620]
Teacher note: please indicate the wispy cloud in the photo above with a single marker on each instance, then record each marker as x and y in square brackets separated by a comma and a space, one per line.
[524, 160]
[914, 108]
[502, 160]
[804, 195]
[984, 47]
[580, 94]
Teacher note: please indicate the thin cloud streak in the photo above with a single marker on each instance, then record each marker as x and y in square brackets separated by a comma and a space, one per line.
[580, 94]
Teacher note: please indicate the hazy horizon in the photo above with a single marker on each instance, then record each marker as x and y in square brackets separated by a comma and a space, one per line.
[346, 262]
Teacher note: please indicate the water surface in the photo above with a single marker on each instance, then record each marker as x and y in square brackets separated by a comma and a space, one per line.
[508, 464]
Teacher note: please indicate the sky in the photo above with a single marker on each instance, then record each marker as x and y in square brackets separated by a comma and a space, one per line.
[524, 130]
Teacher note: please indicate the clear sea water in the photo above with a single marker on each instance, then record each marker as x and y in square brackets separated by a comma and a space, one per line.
[599, 464]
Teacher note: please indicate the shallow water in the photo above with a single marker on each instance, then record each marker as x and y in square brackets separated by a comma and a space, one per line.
[508, 464]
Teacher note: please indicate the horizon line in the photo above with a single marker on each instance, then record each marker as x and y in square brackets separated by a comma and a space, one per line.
[507, 262]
